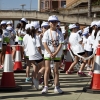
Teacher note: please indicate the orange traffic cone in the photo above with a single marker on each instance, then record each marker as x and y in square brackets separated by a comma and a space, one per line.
[95, 82]
[68, 60]
[18, 64]
[7, 80]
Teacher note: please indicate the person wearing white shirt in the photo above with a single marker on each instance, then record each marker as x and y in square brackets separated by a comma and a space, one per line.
[75, 41]
[25, 44]
[52, 41]
[95, 43]
[44, 27]
[6, 39]
[34, 53]
[12, 40]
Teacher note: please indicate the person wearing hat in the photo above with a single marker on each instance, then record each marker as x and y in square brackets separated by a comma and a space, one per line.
[12, 40]
[25, 42]
[21, 34]
[77, 48]
[34, 53]
[96, 41]
[44, 27]
[52, 41]
[9, 23]
[6, 38]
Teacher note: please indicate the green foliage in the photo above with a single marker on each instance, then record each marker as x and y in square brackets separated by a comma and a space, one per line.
[96, 2]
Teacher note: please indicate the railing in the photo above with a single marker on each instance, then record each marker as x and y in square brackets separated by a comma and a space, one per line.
[71, 3]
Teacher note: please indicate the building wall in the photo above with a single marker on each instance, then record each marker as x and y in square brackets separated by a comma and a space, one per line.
[51, 4]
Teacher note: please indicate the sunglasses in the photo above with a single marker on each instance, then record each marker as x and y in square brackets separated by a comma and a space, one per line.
[53, 21]
[46, 27]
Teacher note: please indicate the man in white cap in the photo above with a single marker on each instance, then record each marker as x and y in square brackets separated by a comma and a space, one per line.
[52, 41]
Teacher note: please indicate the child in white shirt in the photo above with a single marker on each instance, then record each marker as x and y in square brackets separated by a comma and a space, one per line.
[52, 41]
[76, 46]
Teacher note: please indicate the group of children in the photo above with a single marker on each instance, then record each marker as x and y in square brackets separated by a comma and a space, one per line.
[45, 46]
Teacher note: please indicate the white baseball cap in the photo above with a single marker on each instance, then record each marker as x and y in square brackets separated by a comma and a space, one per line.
[44, 24]
[93, 23]
[53, 18]
[39, 30]
[27, 26]
[71, 26]
[85, 32]
[9, 22]
[3, 22]
[9, 28]
[24, 20]
[98, 24]
[35, 24]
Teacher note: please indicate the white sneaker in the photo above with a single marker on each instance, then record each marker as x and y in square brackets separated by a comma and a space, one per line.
[36, 83]
[58, 90]
[45, 90]
[39, 88]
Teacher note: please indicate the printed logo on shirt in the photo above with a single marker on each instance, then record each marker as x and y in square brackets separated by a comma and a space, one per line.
[54, 43]
[6, 34]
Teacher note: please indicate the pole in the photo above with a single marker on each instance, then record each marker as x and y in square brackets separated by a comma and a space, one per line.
[39, 5]
[30, 4]
[23, 10]
[89, 8]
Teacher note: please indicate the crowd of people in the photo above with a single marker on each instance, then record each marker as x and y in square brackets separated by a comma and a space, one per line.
[46, 45]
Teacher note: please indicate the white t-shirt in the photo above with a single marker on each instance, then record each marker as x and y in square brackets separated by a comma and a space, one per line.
[42, 47]
[84, 42]
[1, 41]
[32, 45]
[6, 34]
[93, 33]
[25, 43]
[57, 38]
[16, 31]
[74, 40]
[95, 42]
[12, 40]
[89, 43]
[65, 43]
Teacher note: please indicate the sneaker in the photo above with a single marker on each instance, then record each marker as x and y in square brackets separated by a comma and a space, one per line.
[90, 73]
[36, 83]
[68, 72]
[40, 87]
[81, 74]
[58, 90]
[28, 79]
[45, 90]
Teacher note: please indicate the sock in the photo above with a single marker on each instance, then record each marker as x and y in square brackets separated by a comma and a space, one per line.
[46, 86]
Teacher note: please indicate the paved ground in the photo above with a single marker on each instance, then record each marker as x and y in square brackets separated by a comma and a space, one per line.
[72, 86]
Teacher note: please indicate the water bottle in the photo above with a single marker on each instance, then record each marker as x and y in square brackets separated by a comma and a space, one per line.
[52, 64]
